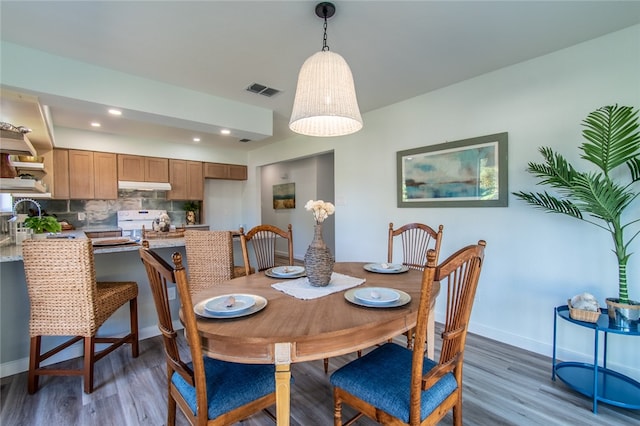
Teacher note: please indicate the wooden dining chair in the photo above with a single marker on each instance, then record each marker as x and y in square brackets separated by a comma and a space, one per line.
[208, 391]
[396, 385]
[263, 239]
[416, 239]
[209, 258]
[66, 300]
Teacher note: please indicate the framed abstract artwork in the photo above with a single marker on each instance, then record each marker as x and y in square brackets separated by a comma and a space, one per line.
[284, 196]
[465, 173]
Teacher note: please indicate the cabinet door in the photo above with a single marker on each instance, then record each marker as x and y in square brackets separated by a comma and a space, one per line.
[216, 170]
[131, 167]
[237, 172]
[225, 171]
[81, 174]
[178, 180]
[195, 181]
[106, 176]
[60, 172]
[156, 169]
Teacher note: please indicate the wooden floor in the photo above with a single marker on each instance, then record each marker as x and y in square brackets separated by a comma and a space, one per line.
[503, 385]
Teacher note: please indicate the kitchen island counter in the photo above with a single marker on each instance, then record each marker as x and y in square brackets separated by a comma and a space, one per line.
[13, 253]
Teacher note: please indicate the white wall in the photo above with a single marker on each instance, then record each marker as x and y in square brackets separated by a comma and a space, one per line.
[534, 261]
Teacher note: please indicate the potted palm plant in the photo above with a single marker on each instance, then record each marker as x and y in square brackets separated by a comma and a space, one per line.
[602, 197]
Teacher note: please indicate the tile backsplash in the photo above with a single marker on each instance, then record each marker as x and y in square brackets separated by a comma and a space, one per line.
[101, 213]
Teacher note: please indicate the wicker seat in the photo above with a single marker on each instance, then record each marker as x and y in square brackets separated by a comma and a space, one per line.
[397, 385]
[208, 391]
[66, 300]
[209, 258]
[264, 239]
[416, 239]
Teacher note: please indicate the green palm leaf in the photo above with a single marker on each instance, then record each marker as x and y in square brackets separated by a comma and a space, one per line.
[612, 137]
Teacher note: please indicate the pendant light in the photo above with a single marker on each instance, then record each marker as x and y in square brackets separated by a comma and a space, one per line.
[325, 103]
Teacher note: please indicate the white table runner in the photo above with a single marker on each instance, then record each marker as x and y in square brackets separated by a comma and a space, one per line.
[301, 289]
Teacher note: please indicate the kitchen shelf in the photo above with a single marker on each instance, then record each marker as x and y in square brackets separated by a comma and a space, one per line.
[21, 185]
[26, 167]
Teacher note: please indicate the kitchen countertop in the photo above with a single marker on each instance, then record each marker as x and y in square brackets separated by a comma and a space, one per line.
[13, 253]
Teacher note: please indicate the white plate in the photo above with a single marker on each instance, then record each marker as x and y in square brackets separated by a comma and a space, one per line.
[287, 271]
[218, 305]
[377, 295]
[402, 300]
[393, 269]
[260, 303]
[269, 273]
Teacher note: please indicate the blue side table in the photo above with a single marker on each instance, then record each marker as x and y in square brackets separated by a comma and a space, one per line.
[592, 380]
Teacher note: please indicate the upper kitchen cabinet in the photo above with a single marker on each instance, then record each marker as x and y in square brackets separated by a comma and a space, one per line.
[187, 182]
[60, 174]
[57, 179]
[92, 175]
[225, 171]
[142, 169]
[105, 166]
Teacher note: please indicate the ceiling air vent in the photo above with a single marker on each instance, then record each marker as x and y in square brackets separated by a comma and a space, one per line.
[263, 90]
[245, 140]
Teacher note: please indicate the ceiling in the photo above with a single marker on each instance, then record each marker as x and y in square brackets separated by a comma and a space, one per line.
[396, 49]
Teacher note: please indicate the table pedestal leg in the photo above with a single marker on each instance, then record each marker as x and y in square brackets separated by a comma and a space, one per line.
[283, 383]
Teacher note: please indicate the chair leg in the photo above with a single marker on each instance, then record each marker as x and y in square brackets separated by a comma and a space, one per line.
[34, 364]
[89, 361]
[326, 365]
[133, 312]
[337, 410]
[171, 408]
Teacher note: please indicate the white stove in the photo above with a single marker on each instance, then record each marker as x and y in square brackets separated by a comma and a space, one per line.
[131, 221]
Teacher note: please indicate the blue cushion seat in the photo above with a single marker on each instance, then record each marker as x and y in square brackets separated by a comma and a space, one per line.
[229, 385]
[382, 378]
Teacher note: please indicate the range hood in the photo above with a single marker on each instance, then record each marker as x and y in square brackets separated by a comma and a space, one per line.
[143, 186]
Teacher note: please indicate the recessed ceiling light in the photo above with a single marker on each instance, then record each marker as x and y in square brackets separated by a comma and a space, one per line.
[196, 139]
[225, 131]
[114, 111]
[95, 124]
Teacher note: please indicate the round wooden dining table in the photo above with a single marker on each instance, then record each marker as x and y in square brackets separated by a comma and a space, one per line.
[290, 330]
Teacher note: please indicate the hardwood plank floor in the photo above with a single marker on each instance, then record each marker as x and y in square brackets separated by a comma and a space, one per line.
[503, 385]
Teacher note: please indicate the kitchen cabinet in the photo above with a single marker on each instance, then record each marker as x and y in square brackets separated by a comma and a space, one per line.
[187, 181]
[225, 171]
[105, 182]
[57, 162]
[138, 168]
[92, 175]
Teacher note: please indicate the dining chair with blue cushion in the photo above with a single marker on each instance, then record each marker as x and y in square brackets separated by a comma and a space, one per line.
[208, 391]
[396, 385]
[416, 239]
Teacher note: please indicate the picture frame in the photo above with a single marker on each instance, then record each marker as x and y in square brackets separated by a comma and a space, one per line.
[464, 173]
[284, 196]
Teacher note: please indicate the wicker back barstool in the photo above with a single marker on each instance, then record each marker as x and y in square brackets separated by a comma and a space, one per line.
[209, 258]
[66, 300]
